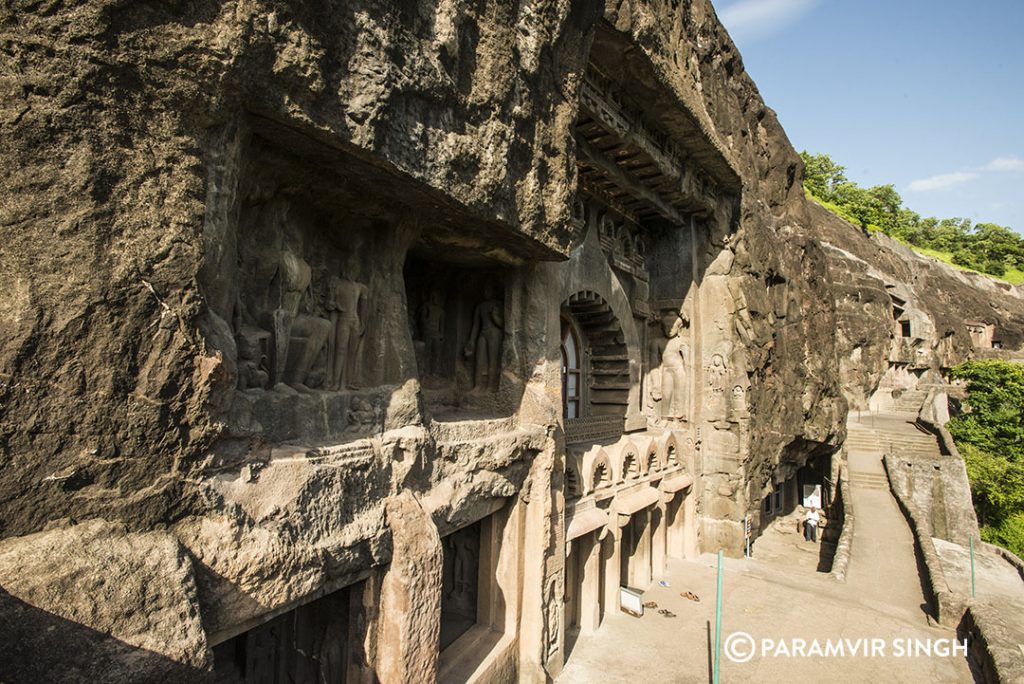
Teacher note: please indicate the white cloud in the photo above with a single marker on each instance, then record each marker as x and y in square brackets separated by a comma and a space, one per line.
[751, 19]
[1005, 164]
[943, 181]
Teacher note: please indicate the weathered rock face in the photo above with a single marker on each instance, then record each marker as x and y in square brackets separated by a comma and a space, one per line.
[95, 601]
[540, 277]
[783, 316]
[119, 121]
[904, 318]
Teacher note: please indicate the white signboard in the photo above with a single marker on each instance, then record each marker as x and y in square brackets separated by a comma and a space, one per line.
[631, 600]
[812, 496]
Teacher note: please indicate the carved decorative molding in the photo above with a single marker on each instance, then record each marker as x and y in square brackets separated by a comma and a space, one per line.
[593, 429]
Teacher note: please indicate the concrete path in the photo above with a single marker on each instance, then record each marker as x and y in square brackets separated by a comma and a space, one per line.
[766, 603]
[883, 563]
[783, 599]
[782, 544]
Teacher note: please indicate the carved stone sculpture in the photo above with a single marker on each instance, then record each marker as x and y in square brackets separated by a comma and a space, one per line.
[674, 360]
[739, 401]
[346, 302]
[716, 376]
[432, 328]
[484, 345]
[552, 615]
[465, 549]
[298, 334]
[253, 371]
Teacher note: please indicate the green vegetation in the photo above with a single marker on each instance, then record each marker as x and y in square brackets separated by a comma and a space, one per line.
[990, 437]
[985, 247]
[1012, 275]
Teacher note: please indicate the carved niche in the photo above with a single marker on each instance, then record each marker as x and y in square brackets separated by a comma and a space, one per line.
[457, 317]
[300, 309]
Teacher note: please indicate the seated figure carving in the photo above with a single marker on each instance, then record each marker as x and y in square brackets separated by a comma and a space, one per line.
[298, 334]
[253, 371]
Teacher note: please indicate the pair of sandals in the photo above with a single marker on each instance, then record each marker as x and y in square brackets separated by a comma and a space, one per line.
[690, 595]
[664, 611]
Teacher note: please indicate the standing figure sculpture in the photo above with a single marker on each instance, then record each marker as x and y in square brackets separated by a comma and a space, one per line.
[484, 345]
[346, 302]
[298, 335]
[432, 329]
[674, 357]
[717, 378]
[463, 593]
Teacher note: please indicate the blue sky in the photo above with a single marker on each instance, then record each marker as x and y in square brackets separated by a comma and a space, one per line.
[926, 95]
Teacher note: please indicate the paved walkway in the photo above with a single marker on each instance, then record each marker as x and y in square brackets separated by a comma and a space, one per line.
[781, 599]
[766, 603]
[883, 563]
[782, 544]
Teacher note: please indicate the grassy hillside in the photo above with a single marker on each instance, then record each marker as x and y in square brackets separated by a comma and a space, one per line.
[1012, 275]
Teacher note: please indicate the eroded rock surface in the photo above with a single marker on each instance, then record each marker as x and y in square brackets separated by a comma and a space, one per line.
[277, 273]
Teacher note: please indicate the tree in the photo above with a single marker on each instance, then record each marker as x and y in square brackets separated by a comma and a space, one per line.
[995, 395]
[887, 205]
[822, 175]
[950, 234]
[864, 206]
[986, 247]
[990, 436]
[997, 243]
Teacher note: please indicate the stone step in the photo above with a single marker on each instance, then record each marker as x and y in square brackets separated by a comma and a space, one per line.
[880, 486]
[897, 434]
[868, 476]
[896, 448]
[923, 444]
[903, 436]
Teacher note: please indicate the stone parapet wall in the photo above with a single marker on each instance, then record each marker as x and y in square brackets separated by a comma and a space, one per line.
[992, 646]
[946, 604]
[841, 559]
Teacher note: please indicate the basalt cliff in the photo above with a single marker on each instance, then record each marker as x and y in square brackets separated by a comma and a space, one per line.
[347, 333]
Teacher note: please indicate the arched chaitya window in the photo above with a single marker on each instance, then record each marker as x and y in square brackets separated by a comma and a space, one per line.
[572, 372]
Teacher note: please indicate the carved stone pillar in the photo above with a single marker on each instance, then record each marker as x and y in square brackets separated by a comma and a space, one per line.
[659, 540]
[640, 562]
[410, 597]
[611, 550]
[590, 586]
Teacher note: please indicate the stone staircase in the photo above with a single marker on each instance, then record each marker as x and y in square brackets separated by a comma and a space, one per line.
[910, 401]
[881, 434]
[869, 480]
